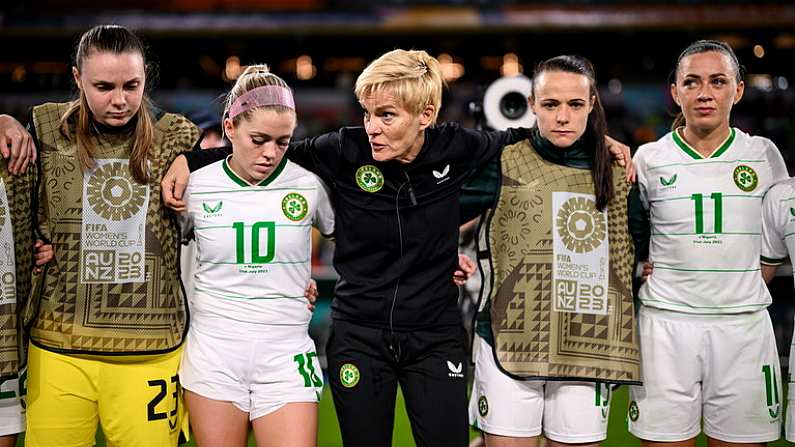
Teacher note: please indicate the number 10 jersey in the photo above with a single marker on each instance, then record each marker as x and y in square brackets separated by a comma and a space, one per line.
[254, 242]
[706, 224]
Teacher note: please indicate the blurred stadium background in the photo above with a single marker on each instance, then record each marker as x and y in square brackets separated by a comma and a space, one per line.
[320, 46]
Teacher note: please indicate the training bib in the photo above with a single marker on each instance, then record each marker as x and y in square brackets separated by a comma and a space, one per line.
[8, 292]
[113, 235]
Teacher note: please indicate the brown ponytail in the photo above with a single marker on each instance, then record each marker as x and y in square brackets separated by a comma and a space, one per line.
[113, 39]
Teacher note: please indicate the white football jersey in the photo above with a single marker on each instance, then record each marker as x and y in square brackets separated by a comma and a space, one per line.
[254, 244]
[706, 222]
[778, 223]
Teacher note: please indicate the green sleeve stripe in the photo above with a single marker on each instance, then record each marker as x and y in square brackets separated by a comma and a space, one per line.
[218, 227]
[739, 196]
[705, 162]
[251, 189]
[772, 261]
[706, 234]
[691, 306]
[248, 298]
[707, 270]
[269, 263]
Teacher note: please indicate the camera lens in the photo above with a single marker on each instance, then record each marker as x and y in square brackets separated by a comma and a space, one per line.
[513, 105]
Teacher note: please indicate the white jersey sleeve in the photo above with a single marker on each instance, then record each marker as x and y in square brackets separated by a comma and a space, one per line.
[774, 159]
[778, 210]
[324, 214]
[642, 177]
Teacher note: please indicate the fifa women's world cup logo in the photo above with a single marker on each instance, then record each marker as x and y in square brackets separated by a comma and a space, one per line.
[114, 225]
[580, 254]
[581, 227]
[113, 193]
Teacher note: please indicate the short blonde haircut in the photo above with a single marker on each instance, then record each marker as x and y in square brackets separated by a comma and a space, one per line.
[414, 77]
[254, 76]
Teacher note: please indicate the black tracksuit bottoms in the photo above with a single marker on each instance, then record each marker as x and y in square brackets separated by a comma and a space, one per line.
[365, 366]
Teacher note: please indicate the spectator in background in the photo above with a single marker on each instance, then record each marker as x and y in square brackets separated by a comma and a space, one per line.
[209, 121]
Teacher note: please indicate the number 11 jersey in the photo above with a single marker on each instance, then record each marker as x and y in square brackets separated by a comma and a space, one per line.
[706, 223]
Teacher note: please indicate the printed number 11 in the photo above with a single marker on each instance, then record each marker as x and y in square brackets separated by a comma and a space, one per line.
[307, 369]
[717, 198]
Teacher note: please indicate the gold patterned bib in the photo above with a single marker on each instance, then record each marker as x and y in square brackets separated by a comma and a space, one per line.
[559, 274]
[16, 263]
[113, 286]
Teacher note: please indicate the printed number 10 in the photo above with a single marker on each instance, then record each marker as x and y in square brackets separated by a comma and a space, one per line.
[717, 198]
[256, 256]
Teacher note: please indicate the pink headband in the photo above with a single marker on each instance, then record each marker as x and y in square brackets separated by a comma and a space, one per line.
[268, 95]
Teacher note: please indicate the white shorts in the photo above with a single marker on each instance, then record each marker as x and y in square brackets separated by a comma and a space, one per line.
[722, 368]
[12, 405]
[569, 412]
[258, 370]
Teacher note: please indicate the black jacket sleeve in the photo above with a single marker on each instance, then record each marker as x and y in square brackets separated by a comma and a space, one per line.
[488, 144]
[480, 192]
[199, 159]
[320, 155]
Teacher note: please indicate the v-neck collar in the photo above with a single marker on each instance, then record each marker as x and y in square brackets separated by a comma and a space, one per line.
[245, 183]
[689, 150]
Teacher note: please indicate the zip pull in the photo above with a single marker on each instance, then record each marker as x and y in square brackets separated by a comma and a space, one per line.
[412, 196]
[411, 189]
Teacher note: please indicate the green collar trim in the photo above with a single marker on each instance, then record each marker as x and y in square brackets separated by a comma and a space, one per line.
[244, 183]
[694, 153]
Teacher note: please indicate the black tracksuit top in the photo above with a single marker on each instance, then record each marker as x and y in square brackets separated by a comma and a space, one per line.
[396, 248]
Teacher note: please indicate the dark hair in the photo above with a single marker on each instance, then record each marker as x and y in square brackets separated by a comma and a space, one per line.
[595, 131]
[110, 39]
[704, 46]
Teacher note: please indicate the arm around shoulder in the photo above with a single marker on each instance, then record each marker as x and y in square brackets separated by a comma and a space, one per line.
[320, 155]
[16, 144]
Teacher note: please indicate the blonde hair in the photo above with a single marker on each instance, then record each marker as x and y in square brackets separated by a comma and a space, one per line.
[252, 77]
[111, 39]
[414, 77]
